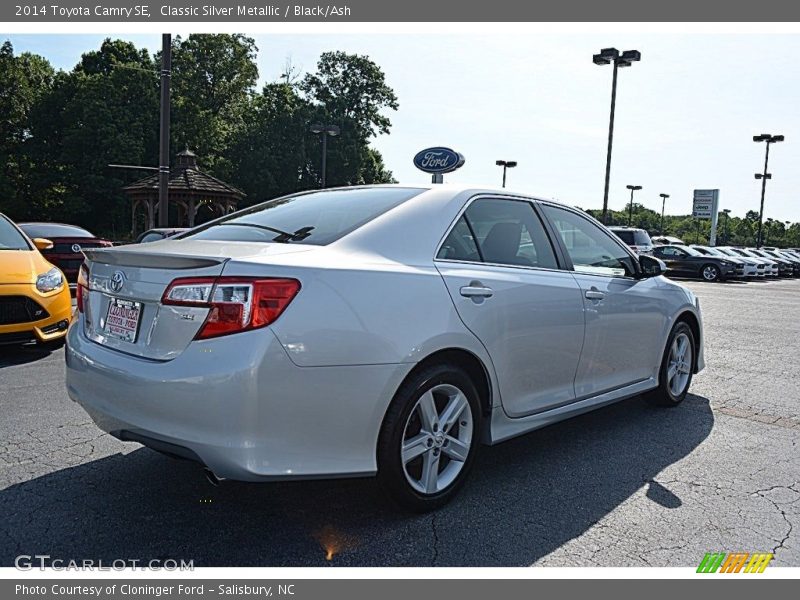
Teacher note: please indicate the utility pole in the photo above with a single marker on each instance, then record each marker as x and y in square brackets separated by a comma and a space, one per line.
[163, 154]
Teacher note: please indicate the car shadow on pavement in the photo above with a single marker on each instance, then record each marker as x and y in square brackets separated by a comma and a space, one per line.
[525, 498]
[12, 355]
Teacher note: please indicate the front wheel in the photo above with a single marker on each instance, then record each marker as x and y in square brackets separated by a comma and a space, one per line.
[710, 273]
[677, 366]
[429, 438]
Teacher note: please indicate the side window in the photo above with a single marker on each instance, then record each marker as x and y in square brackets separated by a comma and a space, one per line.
[591, 249]
[460, 245]
[509, 232]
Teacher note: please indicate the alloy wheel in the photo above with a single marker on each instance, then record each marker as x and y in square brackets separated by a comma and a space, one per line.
[437, 439]
[709, 273]
[680, 364]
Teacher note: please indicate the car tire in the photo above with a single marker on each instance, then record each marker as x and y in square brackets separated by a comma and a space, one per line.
[710, 272]
[424, 453]
[677, 367]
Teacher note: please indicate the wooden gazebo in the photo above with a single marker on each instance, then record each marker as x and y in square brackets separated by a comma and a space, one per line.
[189, 190]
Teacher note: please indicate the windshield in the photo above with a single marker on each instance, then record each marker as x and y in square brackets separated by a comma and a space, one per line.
[691, 251]
[54, 230]
[317, 218]
[10, 238]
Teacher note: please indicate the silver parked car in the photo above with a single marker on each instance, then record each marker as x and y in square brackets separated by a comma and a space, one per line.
[381, 330]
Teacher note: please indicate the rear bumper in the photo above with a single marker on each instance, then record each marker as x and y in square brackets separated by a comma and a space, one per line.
[238, 404]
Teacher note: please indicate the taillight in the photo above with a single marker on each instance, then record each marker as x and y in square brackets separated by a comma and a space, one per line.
[235, 303]
[82, 287]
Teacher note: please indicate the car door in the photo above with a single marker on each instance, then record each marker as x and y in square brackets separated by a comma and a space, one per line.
[508, 287]
[672, 258]
[625, 317]
[687, 264]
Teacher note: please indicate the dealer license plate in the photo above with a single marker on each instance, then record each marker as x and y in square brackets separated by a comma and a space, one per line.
[122, 319]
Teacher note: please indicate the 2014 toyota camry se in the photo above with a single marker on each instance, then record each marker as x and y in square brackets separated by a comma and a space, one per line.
[384, 330]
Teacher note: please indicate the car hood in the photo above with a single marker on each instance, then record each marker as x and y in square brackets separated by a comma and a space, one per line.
[21, 266]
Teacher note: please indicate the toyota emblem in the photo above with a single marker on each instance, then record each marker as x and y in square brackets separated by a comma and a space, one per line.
[117, 281]
[76, 248]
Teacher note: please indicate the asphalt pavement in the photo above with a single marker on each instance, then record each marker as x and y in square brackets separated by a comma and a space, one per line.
[628, 485]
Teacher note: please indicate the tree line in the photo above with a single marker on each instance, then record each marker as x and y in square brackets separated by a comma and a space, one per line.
[59, 130]
[731, 230]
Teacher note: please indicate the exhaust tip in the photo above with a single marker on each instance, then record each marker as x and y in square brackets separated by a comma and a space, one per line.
[212, 478]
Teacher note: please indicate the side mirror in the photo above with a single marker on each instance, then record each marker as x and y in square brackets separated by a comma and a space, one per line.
[650, 266]
[42, 244]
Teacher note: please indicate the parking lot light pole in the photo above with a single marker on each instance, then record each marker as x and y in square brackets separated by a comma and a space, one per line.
[325, 131]
[506, 164]
[610, 56]
[632, 188]
[768, 139]
[663, 202]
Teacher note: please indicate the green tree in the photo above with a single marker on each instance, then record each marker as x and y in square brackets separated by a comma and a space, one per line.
[104, 111]
[24, 81]
[213, 83]
[350, 91]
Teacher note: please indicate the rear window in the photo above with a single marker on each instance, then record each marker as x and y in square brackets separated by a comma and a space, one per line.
[633, 237]
[10, 238]
[625, 236]
[51, 230]
[317, 218]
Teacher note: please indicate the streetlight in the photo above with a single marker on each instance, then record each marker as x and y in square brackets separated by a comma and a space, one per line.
[325, 131]
[506, 164]
[663, 201]
[768, 228]
[609, 56]
[769, 139]
[727, 212]
[632, 188]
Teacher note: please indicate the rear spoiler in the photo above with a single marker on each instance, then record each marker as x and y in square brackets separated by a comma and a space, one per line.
[154, 260]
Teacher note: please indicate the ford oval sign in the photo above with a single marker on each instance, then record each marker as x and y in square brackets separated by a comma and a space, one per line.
[438, 160]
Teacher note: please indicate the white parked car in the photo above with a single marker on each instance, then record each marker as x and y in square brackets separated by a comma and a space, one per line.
[751, 266]
[770, 266]
[381, 330]
[637, 239]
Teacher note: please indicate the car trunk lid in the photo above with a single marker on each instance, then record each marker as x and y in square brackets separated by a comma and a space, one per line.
[122, 305]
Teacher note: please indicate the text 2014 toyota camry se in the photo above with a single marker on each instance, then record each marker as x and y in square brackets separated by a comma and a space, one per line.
[381, 330]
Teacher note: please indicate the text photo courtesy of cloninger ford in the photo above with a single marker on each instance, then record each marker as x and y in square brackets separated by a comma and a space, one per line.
[477, 299]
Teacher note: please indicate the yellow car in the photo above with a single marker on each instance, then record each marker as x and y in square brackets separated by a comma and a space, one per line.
[35, 303]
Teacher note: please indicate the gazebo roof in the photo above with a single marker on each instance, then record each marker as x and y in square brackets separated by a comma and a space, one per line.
[186, 179]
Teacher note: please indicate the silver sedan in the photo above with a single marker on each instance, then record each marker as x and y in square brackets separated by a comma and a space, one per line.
[384, 330]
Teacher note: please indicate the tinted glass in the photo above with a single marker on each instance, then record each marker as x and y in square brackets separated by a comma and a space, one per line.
[10, 238]
[460, 244]
[318, 218]
[53, 230]
[504, 232]
[591, 249]
[625, 236]
[151, 237]
[642, 238]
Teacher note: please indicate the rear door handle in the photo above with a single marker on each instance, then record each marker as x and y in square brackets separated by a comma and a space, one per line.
[476, 291]
[594, 294]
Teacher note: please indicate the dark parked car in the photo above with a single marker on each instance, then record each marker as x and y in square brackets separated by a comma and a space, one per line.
[69, 241]
[688, 262]
[153, 235]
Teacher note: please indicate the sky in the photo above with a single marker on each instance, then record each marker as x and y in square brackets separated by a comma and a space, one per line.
[685, 116]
